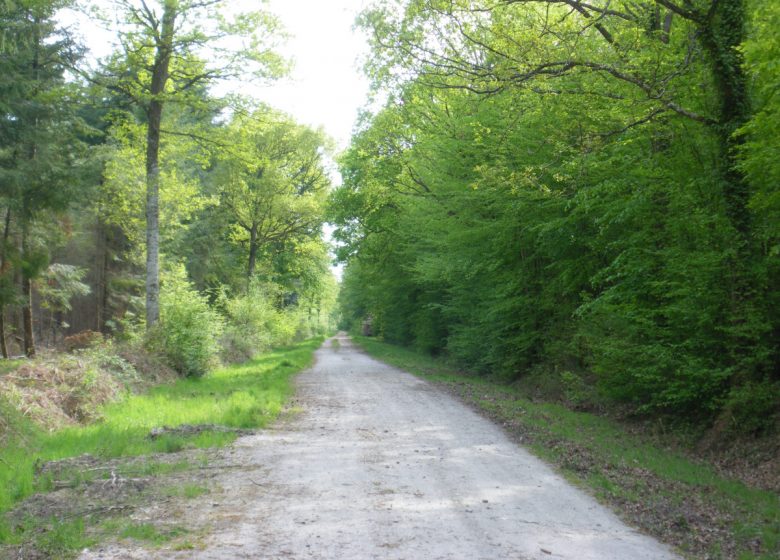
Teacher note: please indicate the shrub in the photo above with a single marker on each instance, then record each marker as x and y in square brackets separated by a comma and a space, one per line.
[254, 324]
[189, 330]
[753, 408]
[250, 325]
[82, 340]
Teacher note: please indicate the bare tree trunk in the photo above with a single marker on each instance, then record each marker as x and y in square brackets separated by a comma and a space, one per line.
[27, 318]
[250, 271]
[3, 250]
[154, 112]
[101, 269]
[152, 228]
[27, 309]
[3, 343]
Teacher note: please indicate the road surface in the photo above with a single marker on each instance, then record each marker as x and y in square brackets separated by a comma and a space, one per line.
[381, 464]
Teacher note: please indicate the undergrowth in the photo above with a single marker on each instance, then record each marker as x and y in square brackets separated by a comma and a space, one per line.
[248, 395]
[681, 500]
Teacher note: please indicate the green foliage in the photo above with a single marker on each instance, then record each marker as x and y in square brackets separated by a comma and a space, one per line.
[753, 408]
[250, 326]
[151, 533]
[59, 284]
[44, 163]
[570, 201]
[189, 331]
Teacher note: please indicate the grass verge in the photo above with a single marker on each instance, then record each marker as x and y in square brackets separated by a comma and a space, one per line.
[248, 395]
[677, 499]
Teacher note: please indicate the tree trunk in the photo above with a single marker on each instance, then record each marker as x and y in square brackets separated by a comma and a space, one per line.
[160, 74]
[101, 270]
[722, 39]
[3, 343]
[27, 317]
[27, 309]
[250, 269]
[3, 270]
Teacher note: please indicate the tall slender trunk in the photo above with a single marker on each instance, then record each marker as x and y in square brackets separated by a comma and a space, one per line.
[3, 343]
[101, 269]
[250, 269]
[3, 270]
[722, 38]
[27, 309]
[26, 215]
[153, 218]
[160, 75]
[27, 318]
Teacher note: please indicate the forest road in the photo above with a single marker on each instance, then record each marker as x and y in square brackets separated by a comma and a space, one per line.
[380, 464]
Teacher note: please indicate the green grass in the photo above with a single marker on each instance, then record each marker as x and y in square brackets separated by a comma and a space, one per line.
[248, 395]
[54, 538]
[188, 491]
[7, 366]
[553, 432]
[151, 533]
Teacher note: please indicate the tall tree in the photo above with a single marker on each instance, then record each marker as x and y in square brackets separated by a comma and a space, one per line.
[164, 46]
[272, 182]
[42, 153]
[554, 187]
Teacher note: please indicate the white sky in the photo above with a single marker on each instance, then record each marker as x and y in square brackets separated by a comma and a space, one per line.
[326, 87]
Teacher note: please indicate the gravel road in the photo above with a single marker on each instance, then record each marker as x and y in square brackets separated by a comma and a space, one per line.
[382, 465]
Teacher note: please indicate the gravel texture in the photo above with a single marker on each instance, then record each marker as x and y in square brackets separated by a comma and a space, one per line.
[380, 464]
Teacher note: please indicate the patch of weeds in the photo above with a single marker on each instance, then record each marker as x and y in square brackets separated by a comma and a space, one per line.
[63, 538]
[156, 468]
[150, 533]
[47, 538]
[188, 491]
[184, 545]
[681, 501]
[8, 366]
[335, 344]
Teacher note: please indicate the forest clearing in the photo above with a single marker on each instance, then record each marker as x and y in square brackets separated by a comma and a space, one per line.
[562, 214]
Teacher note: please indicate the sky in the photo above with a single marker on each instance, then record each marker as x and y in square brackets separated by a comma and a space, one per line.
[326, 86]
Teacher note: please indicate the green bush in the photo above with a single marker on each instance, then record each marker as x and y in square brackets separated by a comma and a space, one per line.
[288, 327]
[753, 408]
[189, 330]
[251, 320]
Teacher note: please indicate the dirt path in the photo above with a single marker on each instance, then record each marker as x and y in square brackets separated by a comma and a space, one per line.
[382, 465]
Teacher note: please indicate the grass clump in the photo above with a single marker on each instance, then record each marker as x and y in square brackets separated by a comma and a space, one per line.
[676, 497]
[150, 533]
[187, 491]
[7, 366]
[51, 538]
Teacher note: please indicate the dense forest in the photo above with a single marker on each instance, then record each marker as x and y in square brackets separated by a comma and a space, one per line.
[586, 191]
[134, 199]
[580, 190]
